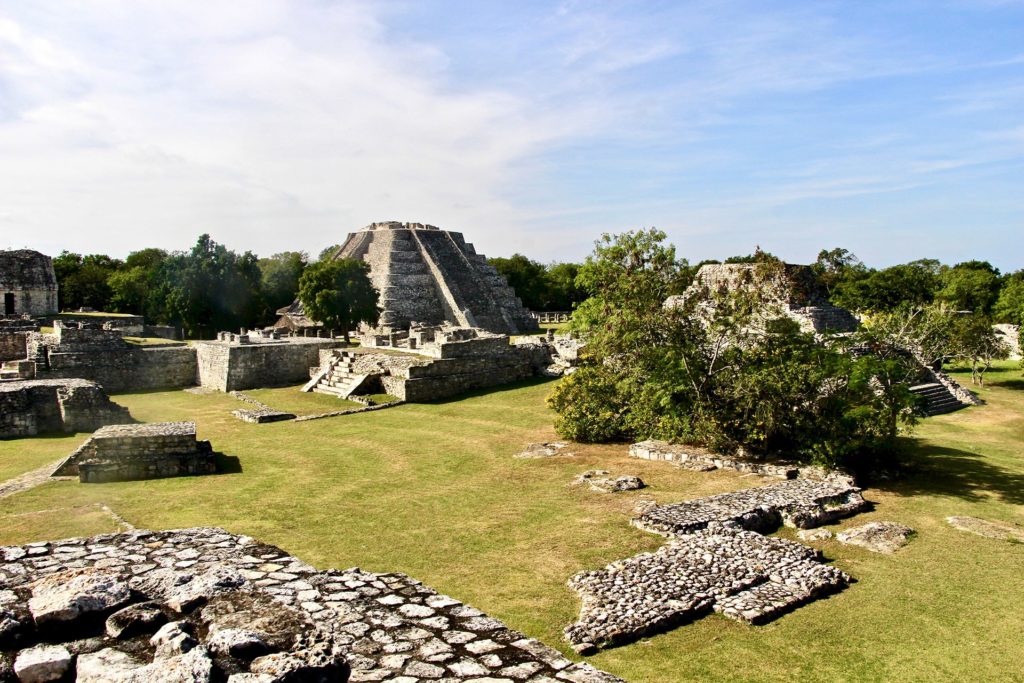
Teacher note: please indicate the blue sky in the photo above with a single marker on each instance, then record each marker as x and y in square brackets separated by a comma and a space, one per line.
[895, 130]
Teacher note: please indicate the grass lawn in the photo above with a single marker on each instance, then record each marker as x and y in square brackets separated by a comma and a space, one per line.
[432, 490]
[291, 400]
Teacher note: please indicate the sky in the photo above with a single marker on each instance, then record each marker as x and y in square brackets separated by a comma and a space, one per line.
[892, 129]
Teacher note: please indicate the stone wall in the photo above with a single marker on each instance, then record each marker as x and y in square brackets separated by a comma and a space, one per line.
[13, 345]
[128, 325]
[33, 407]
[127, 369]
[145, 451]
[1010, 335]
[231, 366]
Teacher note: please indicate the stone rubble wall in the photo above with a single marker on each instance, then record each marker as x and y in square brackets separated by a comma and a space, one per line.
[701, 460]
[1010, 335]
[13, 345]
[29, 276]
[39, 406]
[128, 369]
[383, 626]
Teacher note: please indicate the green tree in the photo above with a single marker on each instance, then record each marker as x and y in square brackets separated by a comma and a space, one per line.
[82, 280]
[973, 341]
[970, 286]
[909, 285]
[528, 278]
[835, 266]
[562, 293]
[328, 252]
[339, 294]
[132, 286]
[280, 275]
[1009, 307]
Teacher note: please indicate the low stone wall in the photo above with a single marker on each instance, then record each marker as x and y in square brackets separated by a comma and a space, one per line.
[144, 451]
[127, 369]
[701, 460]
[37, 406]
[228, 366]
[431, 380]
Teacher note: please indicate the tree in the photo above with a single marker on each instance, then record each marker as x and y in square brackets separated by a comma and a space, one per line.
[279, 276]
[528, 278]
[834, 266]
[973, 341]
[908, 285]
[562, 293]
[132, 286]
[82, 280]
[339, 294]
[328, 252]
[970, 286]
[1009, 307]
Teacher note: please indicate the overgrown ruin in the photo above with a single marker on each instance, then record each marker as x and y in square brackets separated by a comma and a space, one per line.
[427, 275]
[27, 283]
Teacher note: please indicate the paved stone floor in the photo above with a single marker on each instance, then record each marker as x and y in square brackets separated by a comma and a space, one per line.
[715, 560]
[389, 627]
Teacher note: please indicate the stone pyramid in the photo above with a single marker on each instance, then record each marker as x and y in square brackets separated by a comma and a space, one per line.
[427, 275]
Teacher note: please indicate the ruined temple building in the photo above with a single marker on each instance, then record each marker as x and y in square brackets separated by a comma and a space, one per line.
[27, 283]
[428, 276]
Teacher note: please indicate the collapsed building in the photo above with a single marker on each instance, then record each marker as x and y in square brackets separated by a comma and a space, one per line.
[27, 283]
[430, 276]
[793, 290]
[31, 407]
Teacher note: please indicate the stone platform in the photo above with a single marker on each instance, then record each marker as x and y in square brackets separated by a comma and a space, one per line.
[716, 559]
[140, 451]
[148, 605]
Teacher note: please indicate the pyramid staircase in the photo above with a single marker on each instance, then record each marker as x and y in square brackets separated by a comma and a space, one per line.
[338, 377]
[938, 399]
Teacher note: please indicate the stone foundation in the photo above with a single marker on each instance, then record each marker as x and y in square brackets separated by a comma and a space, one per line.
[142, 604]
[143, 451]
[701, 460]
[38, 406]
[258, 362]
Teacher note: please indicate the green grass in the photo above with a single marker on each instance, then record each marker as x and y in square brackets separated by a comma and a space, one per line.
[153, 341]
[432, 490]
[291, 400]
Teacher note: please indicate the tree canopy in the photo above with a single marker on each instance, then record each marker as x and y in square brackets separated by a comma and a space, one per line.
[339, 294]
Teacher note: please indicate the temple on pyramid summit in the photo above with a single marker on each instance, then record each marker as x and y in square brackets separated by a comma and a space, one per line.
[428, 276]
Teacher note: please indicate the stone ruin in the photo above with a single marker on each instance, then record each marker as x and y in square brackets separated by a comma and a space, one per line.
[129, 452]
[427, 275]
[717, 558]
[434, 362]
[27, 283]
[204, 605]
[39, 406]
[795, 291]
[1010, 335]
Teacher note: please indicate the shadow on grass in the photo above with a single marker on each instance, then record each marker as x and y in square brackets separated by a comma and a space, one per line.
[940, 470]
[490, 391]
[1016, 384]
[228, 464]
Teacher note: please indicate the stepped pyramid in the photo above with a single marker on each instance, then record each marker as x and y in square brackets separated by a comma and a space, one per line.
[427, 275]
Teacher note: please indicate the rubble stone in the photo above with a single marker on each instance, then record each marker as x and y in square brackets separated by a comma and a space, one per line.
[879, 537]
[42, 663]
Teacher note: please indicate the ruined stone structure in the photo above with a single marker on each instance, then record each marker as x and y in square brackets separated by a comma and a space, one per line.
[39, 406]
[429, 276]
[716, 559]
[128, 452]
[27, 283]
[1010, 335]
[795, 291]
[204, 605]
[101, 355]
[441, 364]
[246, 361]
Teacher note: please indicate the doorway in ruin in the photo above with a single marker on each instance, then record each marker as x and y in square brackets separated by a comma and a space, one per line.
[9, 303]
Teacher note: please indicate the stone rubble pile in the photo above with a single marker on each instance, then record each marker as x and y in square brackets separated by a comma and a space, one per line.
[716, 559]
[544, 450]
[600, 481]
[878, 537]
[702, 460]
[205, 605]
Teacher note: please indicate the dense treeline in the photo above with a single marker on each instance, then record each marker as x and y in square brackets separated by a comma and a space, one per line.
[211, 287]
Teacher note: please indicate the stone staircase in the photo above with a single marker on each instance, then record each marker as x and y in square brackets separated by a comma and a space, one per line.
[938, 399]
[337, 378]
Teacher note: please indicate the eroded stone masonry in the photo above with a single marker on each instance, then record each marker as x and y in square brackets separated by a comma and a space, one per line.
[205, 605]
[129, 452]
[715, 559]
[31, 407]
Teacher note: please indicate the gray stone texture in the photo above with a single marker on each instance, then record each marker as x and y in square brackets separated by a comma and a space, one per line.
[231, 366]
[129, 452]
[716, 559]
[249, 611]
[41, 406]
[28, 277]
[427, 275]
